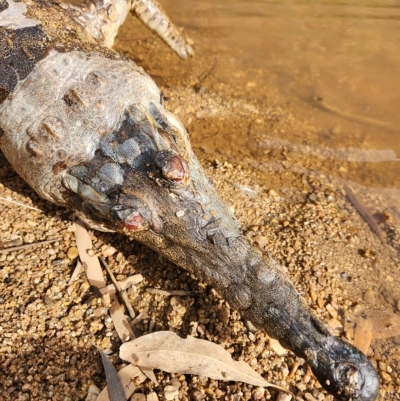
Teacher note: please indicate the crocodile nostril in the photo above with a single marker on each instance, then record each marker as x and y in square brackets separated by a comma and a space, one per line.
[136, 222]
[172, 166]
[130, 218]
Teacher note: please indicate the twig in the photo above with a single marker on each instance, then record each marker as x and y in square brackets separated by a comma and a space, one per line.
[364, 212]
[141, 316]
[123, 293]
[293, 369]
[173, 292]
[243, 188]
[321, 103]
[18, 248]
[21, 204]
[205, 75]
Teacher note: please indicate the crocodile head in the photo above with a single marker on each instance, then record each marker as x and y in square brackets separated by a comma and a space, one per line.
[145, 181]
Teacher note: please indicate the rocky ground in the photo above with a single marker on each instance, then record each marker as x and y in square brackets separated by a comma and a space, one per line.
[296, 212]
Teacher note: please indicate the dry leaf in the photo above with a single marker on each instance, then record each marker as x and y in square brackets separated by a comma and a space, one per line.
[167, 351]
[124, 284]
[114, 385]
[84, 243]
[277, 347]
[76, 273]
[131, 376]
[121, 324]
[362, 334]
[149, 373]
[93, 393]
[130, 280]
[385, 324]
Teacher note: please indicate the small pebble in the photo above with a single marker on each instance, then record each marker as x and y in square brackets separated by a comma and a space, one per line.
[93, 393]
[258, 393]
[180, 213]
[309, 397]
[152, 396]
[108, 251]
[72, 252]
[369, 297]
[385, 376]
[313, 294]
[196, 395]
[332, 311]
[283, 396]
[223, 315]
[170, 392]
[277, 347]
[137, 397]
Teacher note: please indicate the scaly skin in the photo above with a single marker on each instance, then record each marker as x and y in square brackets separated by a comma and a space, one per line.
[87, 130]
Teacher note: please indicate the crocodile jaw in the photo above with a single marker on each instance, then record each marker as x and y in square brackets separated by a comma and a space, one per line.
[163, 199]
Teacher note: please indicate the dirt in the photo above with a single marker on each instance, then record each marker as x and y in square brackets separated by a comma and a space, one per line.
[292, 206]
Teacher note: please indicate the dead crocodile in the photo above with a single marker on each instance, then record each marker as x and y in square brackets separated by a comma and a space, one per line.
[86, 128]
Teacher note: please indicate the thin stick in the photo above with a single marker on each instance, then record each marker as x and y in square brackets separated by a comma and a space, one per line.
[123, 293]
[21, 204]
[293, 369]
[364, 212]
[173, 292]
[321, 103]
[139, 317]
[18, 248]
[205, 75]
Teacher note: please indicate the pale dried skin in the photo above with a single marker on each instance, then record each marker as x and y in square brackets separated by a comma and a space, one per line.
[13, 17]
[102, 20]
[154, 17]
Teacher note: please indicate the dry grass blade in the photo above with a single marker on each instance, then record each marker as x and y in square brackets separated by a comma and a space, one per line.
[364, 212]
[363, 334]
[243, 188]
[114, 385]
[84, 243]
[25, 246]
[20, 204]
[321, 103]
[121, 325]
[130, 280]
[76, 273]
[167, 351]
[123, 293]
[173, 292]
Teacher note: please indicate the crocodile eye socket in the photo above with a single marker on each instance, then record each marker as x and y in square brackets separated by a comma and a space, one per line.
[172, 166]
[130, 218]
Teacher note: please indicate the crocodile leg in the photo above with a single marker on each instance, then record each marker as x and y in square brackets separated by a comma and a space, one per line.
[155, 18]
[102, 19]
